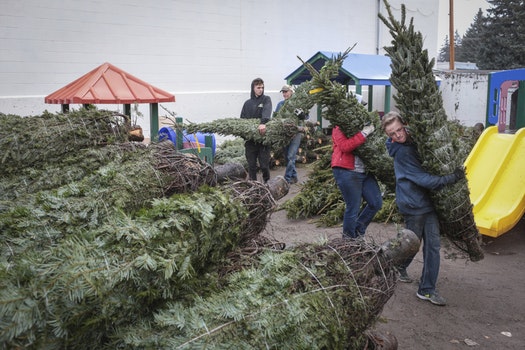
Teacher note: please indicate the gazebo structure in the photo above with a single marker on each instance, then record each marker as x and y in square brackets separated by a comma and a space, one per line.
[357, 69]
[108, 84]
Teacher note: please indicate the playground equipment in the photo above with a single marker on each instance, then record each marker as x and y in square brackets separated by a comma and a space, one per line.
[496, 176]
[496, 165]
[497, 100]
[199, 144]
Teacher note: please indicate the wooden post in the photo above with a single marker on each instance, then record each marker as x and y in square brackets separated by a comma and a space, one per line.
[370, 97]
[451, 33]
[154, 121]
[388, 93]
[178, 132]
[127, 109]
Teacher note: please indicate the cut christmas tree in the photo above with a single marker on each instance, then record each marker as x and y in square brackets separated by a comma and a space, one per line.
[439, 141]
[279, 130]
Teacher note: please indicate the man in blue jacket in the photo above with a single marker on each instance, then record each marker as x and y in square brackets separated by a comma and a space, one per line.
[413, 185]
[290, 151]
[259, 106]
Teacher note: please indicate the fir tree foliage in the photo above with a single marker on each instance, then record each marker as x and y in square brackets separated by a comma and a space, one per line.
[503, 36]
[439, 142]
[129, 231]
[494, 41]
[231, 151]
[122, 184]
[256, 310]
[472, 41]
[37, 141]
[279, 130]
[68, 294]
[72, 167]
[341, 108]
[320, 195]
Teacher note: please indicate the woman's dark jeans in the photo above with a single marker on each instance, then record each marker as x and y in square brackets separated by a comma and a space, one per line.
[353, 187]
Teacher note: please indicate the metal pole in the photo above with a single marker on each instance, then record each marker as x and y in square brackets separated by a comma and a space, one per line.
[451, 34]
[154, 121]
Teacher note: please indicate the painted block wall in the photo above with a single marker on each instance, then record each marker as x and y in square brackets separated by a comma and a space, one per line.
[205, 52]
[465, 95]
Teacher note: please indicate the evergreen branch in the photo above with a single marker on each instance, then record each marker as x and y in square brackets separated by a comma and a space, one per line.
[343, 109]
[440, 142]
[120, 270]
[37, 141]
[257, 310]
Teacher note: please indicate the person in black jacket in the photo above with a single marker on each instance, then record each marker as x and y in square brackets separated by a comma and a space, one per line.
[259, 106]
[413, 187]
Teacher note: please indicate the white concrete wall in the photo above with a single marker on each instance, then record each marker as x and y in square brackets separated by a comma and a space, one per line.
[465, 95]
[205, 52]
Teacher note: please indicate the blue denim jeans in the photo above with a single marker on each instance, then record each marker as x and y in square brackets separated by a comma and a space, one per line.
[426, 227]
[290, 156]
[353, 187]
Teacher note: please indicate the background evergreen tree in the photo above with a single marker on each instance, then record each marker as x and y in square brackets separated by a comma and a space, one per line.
[494, 41]
[457, 41]
[472, 41]
[503, 36]
[444, 51]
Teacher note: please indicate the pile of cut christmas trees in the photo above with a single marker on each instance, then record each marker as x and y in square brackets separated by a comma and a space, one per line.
[108, 244]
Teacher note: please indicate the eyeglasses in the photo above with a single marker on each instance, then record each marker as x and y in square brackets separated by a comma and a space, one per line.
[396, 132]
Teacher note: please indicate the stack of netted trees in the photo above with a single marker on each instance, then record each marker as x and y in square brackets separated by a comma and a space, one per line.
[107, 244]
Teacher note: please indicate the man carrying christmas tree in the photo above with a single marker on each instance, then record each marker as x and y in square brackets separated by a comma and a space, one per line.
[258, 106]
[290, 151]
[413, 200]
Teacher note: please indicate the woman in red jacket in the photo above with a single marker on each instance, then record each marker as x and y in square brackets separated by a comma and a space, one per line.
[354, 182]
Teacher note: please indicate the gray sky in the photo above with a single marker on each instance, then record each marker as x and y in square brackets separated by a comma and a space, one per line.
[464, 13]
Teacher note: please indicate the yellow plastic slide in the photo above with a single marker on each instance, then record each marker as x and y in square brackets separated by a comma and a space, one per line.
[496, 175]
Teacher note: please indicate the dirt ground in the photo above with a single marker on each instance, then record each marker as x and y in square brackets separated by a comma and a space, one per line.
[484, 307]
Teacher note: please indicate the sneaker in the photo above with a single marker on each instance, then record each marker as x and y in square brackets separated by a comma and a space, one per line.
[360, 238]
[292, 181]
[346, 236]
[433, 298]
[403, 276]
